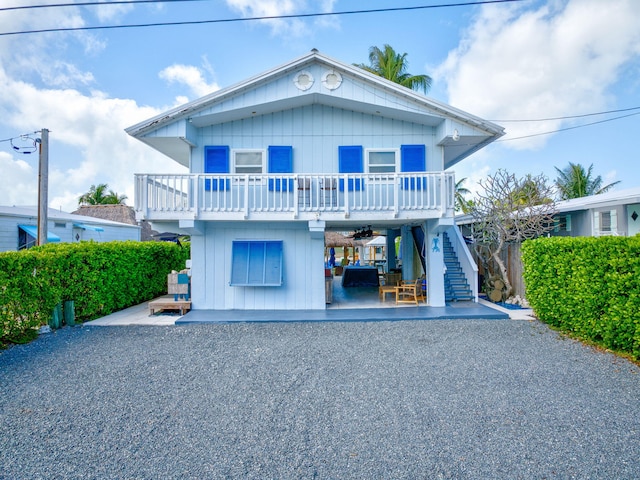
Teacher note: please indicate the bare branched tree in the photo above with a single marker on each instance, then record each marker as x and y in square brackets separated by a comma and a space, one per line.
[505, 210]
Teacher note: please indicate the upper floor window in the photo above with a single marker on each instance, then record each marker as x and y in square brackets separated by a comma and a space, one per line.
[248, 161]
[381, 160]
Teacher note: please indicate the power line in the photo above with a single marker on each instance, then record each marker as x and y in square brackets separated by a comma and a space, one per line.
[568, 128]
[571, 116]
[247, 19]
[85, 4]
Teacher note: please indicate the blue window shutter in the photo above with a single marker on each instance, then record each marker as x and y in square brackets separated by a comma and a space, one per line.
[216, 160]
[350, 160]
[413, 158]
[280, 161]
[256, 263]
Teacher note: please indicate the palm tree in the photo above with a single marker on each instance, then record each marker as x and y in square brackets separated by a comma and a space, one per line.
[574, 182]
[97, 195]
[393, 66]
[462, 204]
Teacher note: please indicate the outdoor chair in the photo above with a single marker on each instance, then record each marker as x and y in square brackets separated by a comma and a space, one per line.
[410, 291]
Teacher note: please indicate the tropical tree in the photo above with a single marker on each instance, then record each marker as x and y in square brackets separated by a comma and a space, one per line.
[574, 182]
[393, 66]
[462, 204]
[98, 195]
[508, 210]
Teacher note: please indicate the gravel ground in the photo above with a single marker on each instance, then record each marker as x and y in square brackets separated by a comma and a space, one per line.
[424, 399]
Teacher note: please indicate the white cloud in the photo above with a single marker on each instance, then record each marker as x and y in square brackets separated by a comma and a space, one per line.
[88, 144]
[290, 27]
[190, 76]
[107, 13]
[37, 56]
[552, 61]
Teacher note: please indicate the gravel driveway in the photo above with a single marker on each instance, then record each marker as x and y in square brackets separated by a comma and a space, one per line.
[423, 399]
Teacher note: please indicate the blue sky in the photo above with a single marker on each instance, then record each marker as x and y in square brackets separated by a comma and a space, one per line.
[513, 61]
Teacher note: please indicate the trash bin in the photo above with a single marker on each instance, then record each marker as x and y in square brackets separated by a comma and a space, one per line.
[69, 311]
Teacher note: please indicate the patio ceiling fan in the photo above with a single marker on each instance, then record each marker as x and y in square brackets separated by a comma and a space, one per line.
[362, 233]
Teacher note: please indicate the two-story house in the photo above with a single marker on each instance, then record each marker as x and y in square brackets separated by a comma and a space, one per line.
[311, 146]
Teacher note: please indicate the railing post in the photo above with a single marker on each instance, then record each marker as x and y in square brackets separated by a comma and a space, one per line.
[396, 195]
[246, 196]
[443, 194]
[195, 195]
[145, 196]
[345, 192]
[296, 198]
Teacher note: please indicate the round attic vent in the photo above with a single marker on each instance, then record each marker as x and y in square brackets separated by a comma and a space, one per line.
[331, 79]
[303, 80]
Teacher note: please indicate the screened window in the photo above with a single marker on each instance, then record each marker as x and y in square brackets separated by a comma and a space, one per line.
[256, 263]
[248, 161]
[605, 221]
[381, 161]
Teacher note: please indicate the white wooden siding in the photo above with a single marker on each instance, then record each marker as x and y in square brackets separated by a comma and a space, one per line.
[303, 286]
[315, 132]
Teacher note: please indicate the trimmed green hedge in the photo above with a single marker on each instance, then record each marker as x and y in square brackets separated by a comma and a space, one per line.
[100, 278]
[589, 287]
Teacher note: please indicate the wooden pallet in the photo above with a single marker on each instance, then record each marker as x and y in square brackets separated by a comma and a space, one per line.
[169, 304]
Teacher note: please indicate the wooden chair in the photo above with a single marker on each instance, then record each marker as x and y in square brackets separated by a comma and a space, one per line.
[409, 291]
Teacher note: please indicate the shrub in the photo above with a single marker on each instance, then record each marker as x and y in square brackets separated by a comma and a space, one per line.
[589, 287]
[99, 277]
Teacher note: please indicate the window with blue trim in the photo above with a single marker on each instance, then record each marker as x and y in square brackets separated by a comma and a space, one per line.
[256, 263]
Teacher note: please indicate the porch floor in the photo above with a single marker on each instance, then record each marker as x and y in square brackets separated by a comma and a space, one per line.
[355, 304]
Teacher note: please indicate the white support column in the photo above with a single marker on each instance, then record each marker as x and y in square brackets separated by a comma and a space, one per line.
[435, 265]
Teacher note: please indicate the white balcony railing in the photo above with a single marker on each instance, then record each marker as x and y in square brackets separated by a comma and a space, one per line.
[297, 196]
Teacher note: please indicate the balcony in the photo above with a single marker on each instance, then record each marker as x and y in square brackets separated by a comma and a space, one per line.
[331, 197]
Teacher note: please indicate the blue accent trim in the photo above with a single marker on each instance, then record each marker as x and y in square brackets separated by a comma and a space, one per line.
[216, 159]
[84, 226]
[356, 184]
[280, 159]
[419, 183]
[32, 231]
[281, 184]
[350, 159]
[215, 184]
[413, 158]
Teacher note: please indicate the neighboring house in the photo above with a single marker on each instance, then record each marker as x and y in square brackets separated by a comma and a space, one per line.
[311, 146]
[612, 213]
[117, 213]
[19, 228]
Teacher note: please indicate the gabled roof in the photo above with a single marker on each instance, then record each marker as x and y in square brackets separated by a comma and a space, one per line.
[407, 105]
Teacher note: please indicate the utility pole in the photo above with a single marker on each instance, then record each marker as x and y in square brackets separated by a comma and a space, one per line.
[43, 187]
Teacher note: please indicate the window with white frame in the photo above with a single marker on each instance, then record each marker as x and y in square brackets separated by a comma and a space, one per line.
[606, 222]
[381, 160]
[248, 161]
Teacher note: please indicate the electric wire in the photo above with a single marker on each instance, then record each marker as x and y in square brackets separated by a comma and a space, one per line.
[247, 19]
[567, 128]
[569, 116]
[86, 4]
